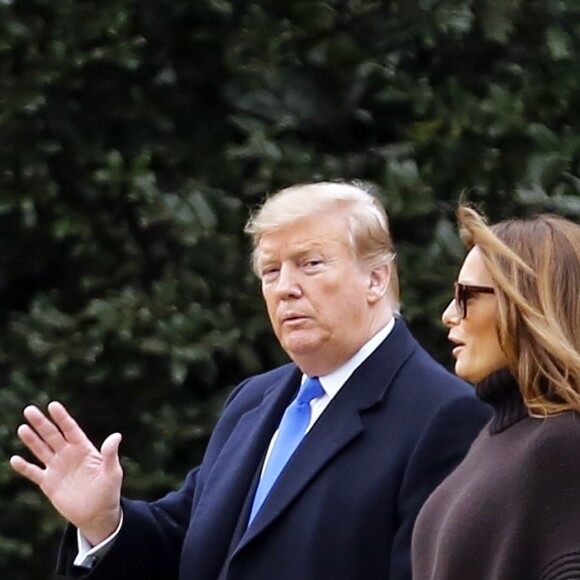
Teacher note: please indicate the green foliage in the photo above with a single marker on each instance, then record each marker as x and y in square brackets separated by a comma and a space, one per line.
[136, 136]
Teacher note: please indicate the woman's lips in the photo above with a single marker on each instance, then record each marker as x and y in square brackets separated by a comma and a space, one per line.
[455, 352]
[458, 346]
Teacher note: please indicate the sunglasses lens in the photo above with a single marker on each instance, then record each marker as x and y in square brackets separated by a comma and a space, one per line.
[461, 301]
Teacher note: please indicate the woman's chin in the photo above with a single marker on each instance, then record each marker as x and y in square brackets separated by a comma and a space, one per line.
[467, 374]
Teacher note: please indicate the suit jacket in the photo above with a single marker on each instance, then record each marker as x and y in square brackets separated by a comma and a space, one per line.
[344, 506]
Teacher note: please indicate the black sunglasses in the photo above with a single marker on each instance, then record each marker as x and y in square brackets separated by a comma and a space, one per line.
[463, 292]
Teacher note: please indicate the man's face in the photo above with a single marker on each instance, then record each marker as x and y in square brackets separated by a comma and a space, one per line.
[318, 298]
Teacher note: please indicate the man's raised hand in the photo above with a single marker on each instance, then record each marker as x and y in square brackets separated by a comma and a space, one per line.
[83, 483]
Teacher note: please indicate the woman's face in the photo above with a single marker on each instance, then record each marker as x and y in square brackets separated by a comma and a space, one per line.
[477, 352]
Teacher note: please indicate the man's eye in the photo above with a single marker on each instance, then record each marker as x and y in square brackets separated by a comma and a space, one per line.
[270, 272]
[313, 262]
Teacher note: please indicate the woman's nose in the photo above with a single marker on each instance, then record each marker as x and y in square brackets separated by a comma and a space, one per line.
[449, 315]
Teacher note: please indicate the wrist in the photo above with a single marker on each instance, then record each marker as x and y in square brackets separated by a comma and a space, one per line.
[101, 528]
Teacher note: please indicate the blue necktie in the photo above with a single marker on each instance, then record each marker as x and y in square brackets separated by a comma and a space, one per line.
[291, 431]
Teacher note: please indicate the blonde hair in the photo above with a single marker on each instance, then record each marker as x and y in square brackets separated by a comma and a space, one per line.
[535, 266]
[367, 229]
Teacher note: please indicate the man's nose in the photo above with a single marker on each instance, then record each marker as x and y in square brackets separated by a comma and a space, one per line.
[288, 285]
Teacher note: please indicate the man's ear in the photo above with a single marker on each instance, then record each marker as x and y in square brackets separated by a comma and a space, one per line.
[378, 283]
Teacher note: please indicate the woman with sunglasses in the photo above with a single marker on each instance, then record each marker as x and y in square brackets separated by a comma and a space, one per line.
[511, 510]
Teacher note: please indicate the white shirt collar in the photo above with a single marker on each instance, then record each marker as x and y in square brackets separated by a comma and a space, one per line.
[333, 382]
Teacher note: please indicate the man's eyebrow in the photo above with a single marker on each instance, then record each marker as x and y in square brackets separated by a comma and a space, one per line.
[297, 252]
[306, 249]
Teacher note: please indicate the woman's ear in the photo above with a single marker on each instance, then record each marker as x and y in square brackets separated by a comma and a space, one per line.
[378, 283]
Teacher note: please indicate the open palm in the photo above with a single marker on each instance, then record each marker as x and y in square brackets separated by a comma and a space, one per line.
[83, 483]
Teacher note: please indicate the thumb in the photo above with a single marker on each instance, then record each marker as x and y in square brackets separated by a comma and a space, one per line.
[110, 451]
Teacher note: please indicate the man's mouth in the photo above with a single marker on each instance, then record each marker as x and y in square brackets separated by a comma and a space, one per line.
[293, 318]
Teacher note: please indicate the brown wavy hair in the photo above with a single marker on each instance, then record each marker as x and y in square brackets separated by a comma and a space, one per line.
[535, 266]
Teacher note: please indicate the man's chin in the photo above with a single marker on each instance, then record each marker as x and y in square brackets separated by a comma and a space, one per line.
[302, 351]
[300, 341]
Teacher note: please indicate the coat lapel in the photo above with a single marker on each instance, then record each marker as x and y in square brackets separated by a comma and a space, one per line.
[248, 441]
[218, 509]
[318, 448]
